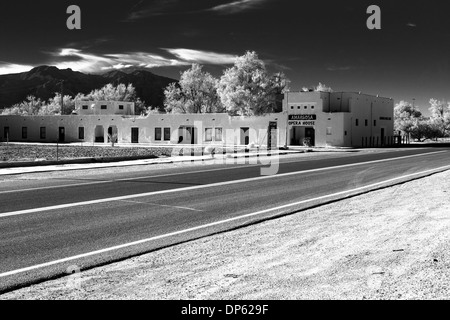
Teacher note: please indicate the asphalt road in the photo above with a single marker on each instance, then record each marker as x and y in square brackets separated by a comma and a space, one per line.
[60, 224]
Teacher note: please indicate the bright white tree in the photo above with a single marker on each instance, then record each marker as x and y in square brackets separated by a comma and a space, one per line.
[247, 88]
[323, 88]
[195, 93]
[406, 117]
[440, 116]
[29, 107]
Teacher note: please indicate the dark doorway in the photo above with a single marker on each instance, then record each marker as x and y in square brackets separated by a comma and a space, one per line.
[187, 135]
[62, 134]
[245, 136]
[272, 136]
[191, 134]
[310, 134]
[113, 134]
[134, 135]
[99, 134]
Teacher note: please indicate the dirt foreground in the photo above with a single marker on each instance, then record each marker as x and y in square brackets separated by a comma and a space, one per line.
[388, 244]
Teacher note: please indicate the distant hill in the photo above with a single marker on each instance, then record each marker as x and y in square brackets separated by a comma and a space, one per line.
[43, 82]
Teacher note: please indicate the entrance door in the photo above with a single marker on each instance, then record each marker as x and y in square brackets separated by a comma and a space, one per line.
[311, 134]
[187, 135]
[62, 134]
[134, 135]
[113, 135]
[191, 133]
[245, 136]
[272, 136]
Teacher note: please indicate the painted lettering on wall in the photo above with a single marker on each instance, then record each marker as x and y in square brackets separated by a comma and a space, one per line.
[302, 123]
[302, 117]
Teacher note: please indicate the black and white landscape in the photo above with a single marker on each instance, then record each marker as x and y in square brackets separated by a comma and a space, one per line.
[224, 150]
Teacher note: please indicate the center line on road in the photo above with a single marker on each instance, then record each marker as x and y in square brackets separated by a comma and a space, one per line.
[213, 224]
[212, 185]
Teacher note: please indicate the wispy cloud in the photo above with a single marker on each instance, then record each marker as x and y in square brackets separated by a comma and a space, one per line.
[75, 59]
[236, 6]
[206, 57]
[412, 25]
[7, 68]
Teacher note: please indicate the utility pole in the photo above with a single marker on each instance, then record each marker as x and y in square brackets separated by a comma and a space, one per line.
[62, 97]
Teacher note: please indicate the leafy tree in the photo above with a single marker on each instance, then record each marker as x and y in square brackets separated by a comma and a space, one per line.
[247, 88]
[53, 106]
[30, 107]
[323, 88]
[195, 93]
[406, 117]
[121, 92]
[440, 116]
[424, 129]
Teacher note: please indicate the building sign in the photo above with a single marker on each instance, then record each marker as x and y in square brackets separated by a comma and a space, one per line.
[385, 118]
[302, 120]
[302, 117]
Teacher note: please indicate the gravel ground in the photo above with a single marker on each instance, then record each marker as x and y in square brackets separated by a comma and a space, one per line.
[33, 152]
[24, 152]
[388, 244]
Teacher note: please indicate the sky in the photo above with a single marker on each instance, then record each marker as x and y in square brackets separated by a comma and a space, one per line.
[310, 41]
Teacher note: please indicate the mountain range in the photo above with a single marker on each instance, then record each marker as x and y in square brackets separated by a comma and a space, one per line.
[42, 82]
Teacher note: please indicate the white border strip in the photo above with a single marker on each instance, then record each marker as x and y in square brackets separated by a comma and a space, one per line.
[43, 265]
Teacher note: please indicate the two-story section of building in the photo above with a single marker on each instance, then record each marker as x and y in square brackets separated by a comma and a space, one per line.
[338, 119]
[104, 108]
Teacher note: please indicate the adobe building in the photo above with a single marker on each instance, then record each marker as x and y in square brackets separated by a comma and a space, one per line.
[308, 118]
[338, 119]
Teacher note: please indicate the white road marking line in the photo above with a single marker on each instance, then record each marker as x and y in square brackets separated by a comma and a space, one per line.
[212, 185]
[175, 174]
[161, 205]
[126, 245]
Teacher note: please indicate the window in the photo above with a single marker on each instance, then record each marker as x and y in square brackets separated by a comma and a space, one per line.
[24, 132]
[292, 107]
[166, 134]
[85, 107]
[42, 133]
[218, 134]
[121, 107]
[312, 107]
[357, 122]
[329, 131]
[298, 107]
[158, 134]
[306, 107]
[208, 134]
[374, 123]
[345, 133]
[81, 133]
[366, 122]
[104, 107]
